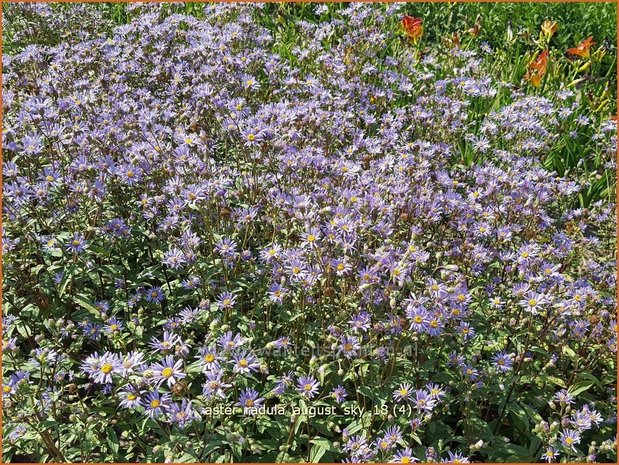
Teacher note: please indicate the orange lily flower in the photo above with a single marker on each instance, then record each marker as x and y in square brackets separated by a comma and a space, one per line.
[413, 27]
[537, 69]
[455, 40]
[549, 28]
[583, 48]
[474, 31]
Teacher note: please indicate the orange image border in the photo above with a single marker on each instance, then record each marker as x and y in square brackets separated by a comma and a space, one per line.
[2, 2]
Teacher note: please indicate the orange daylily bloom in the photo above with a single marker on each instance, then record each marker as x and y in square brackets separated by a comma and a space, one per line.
[455, 40]
[549, 28]
[474, 31]
[583, 48]
[537, 69]
[413, 27]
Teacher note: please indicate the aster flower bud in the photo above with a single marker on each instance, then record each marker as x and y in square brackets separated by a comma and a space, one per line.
[477, 446]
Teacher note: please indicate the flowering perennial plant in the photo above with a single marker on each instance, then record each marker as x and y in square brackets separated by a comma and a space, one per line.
[230, 239]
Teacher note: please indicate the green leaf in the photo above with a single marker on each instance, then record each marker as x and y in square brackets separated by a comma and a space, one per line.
[66, 279]
[324, 443]
[566, 350]
[557, 381]
[579, 387]
[112, 439]
[320, 446]
[48, 424]
[85, 302]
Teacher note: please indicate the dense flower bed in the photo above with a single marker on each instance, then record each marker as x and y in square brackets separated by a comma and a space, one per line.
[220, 247]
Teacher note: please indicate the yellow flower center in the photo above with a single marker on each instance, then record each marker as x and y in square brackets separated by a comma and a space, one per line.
[155, 403]
[209, 358]
[167, 372]
[251, 137]
[243, 362]
[106, 368]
